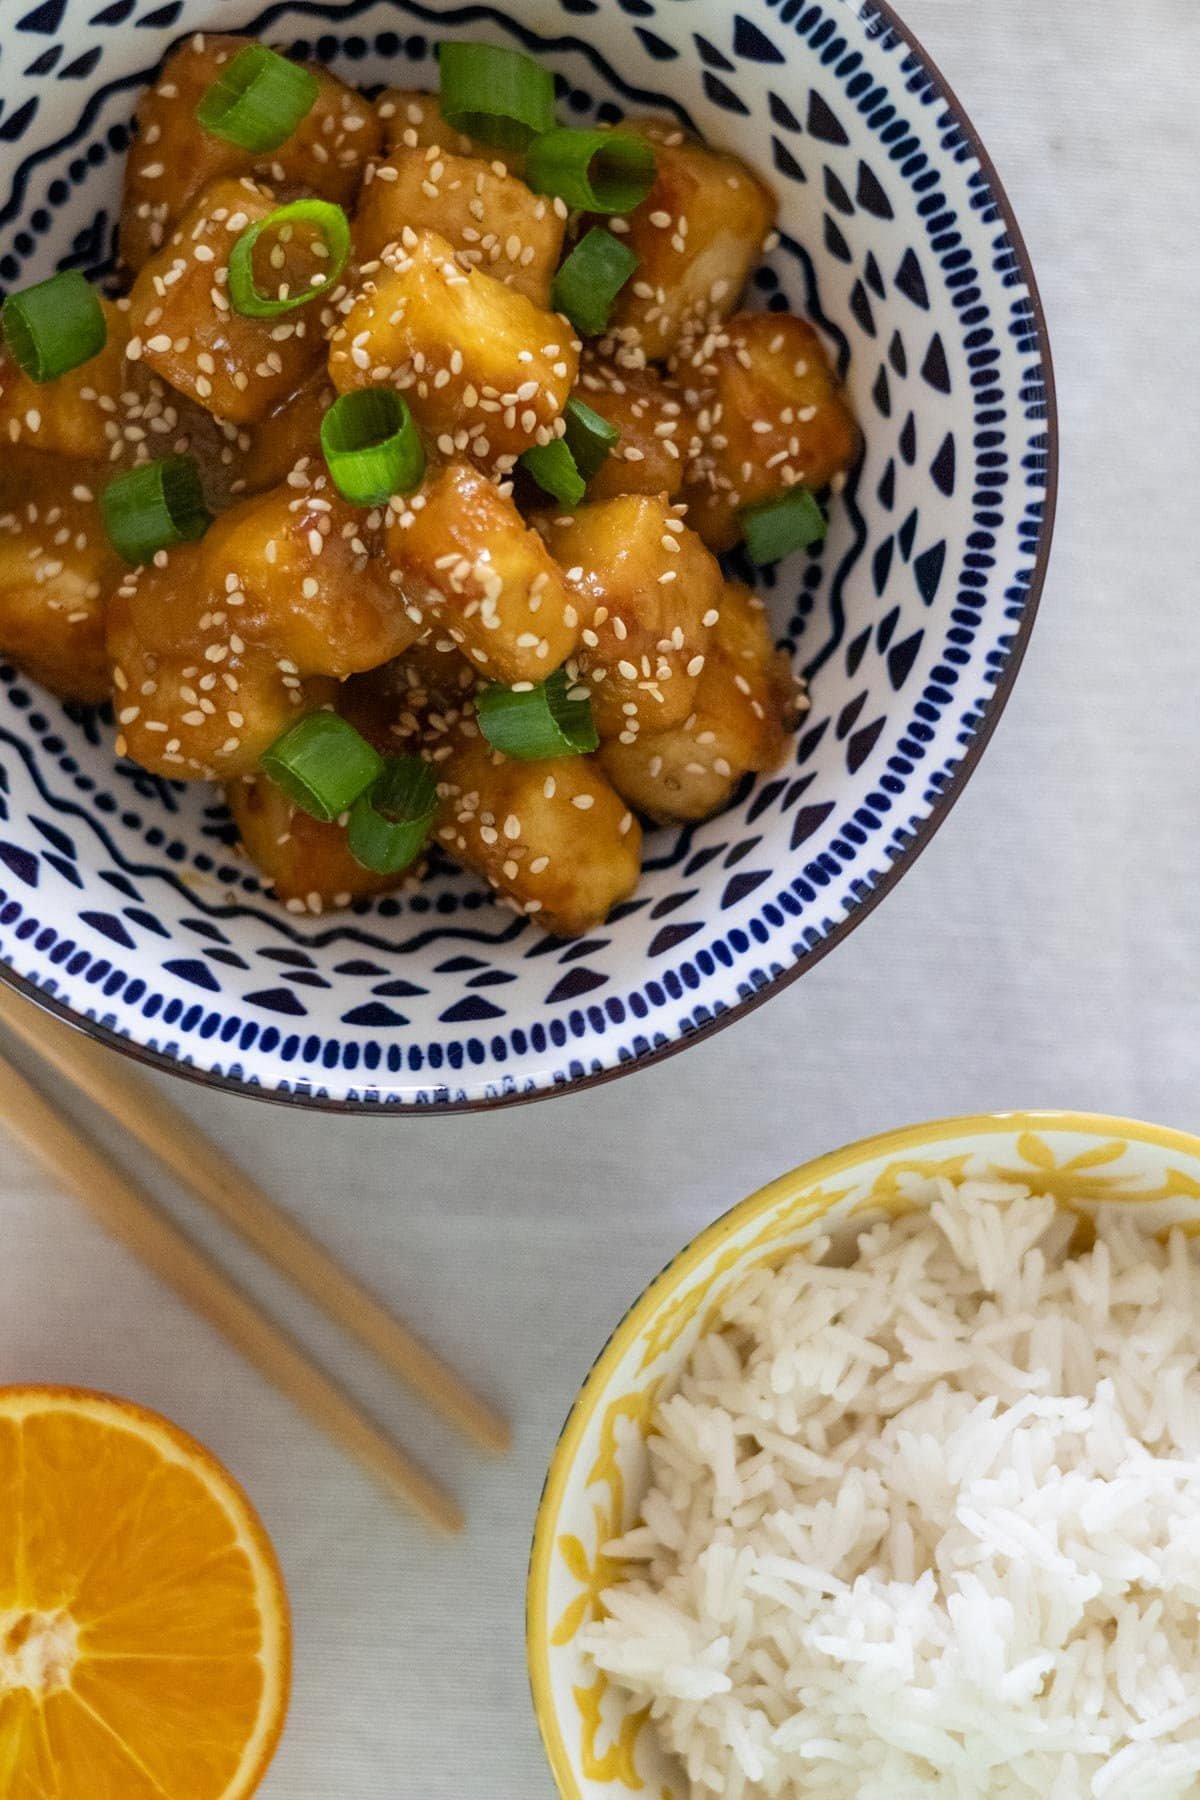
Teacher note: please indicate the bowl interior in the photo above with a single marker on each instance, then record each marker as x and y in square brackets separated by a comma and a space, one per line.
[599, 1744]
[121, 898]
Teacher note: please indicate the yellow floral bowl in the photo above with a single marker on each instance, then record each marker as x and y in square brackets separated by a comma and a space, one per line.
[599, 1744]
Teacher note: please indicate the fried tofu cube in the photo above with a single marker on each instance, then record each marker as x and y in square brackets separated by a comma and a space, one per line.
[746, 704]
[553, 838]
[308, 863]
[648, 594]
[76, 414]
[173, 157]
[185, 329]
[656, 426]
[311, 580]
[114, 411]
[485, 371]
[195, 700]
[490, 218]
[464, 557]
[771, 414]
[288, 433]
[57, 570]
[412, 120]
[699, 233]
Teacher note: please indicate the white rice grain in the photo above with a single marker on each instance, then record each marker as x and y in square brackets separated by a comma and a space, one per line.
[930, 1523]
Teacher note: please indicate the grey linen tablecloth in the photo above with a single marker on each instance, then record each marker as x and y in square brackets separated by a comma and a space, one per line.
[1044, 952]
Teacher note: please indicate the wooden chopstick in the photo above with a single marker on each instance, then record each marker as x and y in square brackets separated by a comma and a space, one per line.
[170, 1136]
[139, 1223]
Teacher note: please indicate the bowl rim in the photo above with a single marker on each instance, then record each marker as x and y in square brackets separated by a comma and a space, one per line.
[392, 1105]
[902, 1140]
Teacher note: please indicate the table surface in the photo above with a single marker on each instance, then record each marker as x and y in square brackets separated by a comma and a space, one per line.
[1042, 953]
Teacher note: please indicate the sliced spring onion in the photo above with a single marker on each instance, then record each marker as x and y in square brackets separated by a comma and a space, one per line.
[244, 293]
[498, 95]
[554, 469]
[775, 528]
[596, 171]
[153, 506]
[54, 325]
[389, 824]
[372, 447]
[258, 99]
[591, 278]
[552, 719]
[589, 437]
[322, 764]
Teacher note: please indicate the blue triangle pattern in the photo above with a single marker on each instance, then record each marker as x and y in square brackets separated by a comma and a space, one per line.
[750, 42]
[44, 19]
[911, 281]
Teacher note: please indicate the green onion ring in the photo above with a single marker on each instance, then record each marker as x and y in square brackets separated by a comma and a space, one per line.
[154, 506]
[54, 326]
[589, 437]
[590, 279]
[774, 528]
[389, 824]
[334, 227]
[553, 718]
[554, 469]
[495, 94]
[258, 100]
[593, 171]
[372, 447]
[322, 764]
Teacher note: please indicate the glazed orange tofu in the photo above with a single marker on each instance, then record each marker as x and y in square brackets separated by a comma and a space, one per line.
[309, 579]
[79, 413]
[745, 705]
[771, 414]
[400, 613]
[113, 414]
[489, 217]
[657, 429]
[648, 594]
[57, 571]
[308, 863]
[193, 698]
[485, 372]
[291, 431]
[553, 837]
[173, 157]
[412, 120]
[699, 233]
[218, 646]
[463, 556]
[185, 328]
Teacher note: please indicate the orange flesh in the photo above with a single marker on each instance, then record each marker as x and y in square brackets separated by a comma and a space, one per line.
[144, 1641]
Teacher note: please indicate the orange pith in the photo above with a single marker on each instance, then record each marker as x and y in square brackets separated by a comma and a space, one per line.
[144, 1635]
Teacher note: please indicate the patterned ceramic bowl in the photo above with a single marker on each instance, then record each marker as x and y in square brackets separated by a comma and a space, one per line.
[600, 1746]
[121, 904]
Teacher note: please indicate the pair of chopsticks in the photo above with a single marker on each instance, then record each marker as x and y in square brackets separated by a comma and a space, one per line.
[137, 1220]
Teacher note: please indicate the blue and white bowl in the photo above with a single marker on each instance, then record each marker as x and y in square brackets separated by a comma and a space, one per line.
[122, 905]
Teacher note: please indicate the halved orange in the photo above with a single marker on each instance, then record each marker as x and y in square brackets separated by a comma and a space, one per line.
[145, 1646]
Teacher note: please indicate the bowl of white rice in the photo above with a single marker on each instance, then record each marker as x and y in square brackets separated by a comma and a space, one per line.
[889, 1486]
